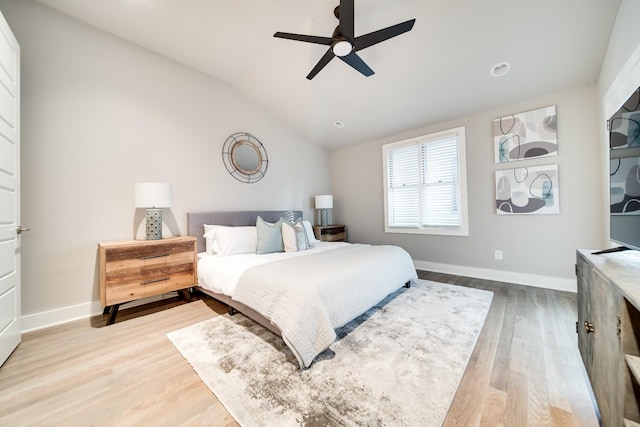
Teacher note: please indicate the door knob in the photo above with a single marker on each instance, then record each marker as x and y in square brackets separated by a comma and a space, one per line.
[21, 229]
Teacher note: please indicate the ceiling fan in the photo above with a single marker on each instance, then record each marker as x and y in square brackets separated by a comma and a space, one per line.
[343, 42]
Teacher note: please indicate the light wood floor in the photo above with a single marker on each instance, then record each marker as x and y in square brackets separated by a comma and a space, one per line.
[524, 371]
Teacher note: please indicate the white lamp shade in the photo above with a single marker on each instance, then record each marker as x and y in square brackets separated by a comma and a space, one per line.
[324, 201]
[152, 195]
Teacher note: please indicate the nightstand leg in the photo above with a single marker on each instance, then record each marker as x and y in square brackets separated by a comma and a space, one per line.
[106, 310]
[114, 313]
[186, 294]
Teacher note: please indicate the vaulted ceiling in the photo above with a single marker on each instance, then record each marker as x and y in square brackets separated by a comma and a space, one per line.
[436, 72]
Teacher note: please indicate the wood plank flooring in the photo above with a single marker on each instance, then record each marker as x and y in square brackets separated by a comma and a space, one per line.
[525, 369]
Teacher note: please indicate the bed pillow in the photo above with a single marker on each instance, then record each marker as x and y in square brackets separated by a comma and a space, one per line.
[235, 240]
[209, 237]
[294, 236]
[269, 237]
[311, 238]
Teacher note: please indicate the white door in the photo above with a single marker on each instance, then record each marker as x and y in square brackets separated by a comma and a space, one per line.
[9, 191]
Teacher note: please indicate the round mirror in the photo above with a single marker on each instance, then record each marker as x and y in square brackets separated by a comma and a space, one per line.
[245, 157]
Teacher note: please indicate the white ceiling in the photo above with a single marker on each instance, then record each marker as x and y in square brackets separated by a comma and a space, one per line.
[436, 72]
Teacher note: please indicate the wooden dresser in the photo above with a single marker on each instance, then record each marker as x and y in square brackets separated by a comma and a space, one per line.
[330, 233]
[130, 270]
[608, 330]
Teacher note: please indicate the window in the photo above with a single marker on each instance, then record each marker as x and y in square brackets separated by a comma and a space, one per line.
[425, 185]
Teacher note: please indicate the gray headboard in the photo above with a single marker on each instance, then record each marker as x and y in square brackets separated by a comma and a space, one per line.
[197, 220]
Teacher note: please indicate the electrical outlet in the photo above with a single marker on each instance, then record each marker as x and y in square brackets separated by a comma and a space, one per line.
[498, 255]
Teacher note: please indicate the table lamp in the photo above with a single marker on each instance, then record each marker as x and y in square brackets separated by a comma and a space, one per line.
[153, 196]
[324, 202]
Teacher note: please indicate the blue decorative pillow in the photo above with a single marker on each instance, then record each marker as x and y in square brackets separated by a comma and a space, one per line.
[269, 237]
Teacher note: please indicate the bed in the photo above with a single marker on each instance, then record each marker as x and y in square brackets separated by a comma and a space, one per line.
[301, 295]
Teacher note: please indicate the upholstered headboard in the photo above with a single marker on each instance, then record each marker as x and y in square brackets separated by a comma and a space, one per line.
[197, 220]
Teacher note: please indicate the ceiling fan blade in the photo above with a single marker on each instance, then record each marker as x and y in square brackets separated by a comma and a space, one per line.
[356, 62]
[328, 56]
[304, 38]
[347, 19]
[376, 37]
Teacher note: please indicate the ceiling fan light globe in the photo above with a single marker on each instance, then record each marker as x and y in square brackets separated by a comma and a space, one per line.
[342, 48]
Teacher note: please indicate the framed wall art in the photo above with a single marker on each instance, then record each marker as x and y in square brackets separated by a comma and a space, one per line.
[528, 190]
[525, 135]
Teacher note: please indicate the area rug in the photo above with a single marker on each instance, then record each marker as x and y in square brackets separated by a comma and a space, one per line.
[399, 363]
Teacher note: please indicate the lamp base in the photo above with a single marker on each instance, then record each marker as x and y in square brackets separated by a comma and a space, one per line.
[154, 224]
[324, 217]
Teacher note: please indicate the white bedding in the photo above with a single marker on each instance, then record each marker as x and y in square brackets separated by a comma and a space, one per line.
[308, 294]
[220, 273]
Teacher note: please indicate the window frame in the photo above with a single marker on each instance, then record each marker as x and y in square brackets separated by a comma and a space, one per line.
[460, 230]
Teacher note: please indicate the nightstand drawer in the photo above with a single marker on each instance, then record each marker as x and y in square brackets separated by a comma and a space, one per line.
[134, 279]
[330, 233]
[124, 291]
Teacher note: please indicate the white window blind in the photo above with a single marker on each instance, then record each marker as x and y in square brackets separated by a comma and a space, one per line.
[424, 186]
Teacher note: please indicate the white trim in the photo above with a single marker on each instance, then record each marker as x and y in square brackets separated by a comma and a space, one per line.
[45, 319]
[58, 316]
[548, 282]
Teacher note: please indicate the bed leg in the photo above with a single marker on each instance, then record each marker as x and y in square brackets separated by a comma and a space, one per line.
[408, 284]
[232, 311]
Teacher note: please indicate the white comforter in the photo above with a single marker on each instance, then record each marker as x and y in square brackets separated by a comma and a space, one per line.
[307, 297]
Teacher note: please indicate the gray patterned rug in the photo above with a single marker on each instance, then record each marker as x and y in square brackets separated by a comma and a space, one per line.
[400, 363]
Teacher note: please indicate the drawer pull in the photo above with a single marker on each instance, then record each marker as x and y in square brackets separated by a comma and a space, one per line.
[154, 256]
[589, 327]
[148, 282]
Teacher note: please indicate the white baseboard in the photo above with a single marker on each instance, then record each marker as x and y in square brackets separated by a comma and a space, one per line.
[556, 283]
[33, 322]
[45, 319]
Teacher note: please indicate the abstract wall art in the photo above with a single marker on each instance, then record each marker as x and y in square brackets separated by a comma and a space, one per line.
[525, 135]
[528, 190]
[624, 125]
[625, 186]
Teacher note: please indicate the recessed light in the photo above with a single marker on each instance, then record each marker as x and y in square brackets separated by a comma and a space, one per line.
[338, 124]
[500, 69]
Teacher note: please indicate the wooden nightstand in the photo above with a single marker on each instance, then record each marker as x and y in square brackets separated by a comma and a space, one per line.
[331, 233]
[130, 270]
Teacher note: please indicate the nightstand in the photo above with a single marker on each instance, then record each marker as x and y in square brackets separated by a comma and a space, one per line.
[330, 233]
[135, 269]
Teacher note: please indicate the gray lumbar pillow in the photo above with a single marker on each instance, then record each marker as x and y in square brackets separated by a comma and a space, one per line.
[269, 237]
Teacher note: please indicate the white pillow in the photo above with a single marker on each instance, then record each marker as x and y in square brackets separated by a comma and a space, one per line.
[232, 240]
[209, 236]
[309, 229]
[294, 237]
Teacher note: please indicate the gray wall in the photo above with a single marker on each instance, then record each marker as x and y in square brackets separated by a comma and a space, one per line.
[98, 115]
[538, 249]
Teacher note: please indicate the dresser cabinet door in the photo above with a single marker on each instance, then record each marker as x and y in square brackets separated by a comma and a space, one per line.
[584, 312]
[600, 304]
